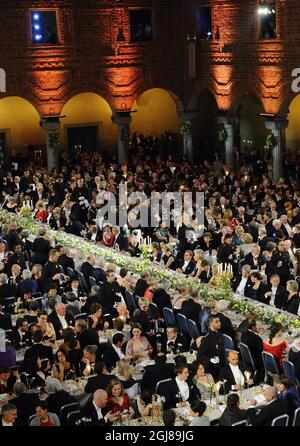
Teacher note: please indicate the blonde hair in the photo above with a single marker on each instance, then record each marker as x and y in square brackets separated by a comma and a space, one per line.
[247, 238]
[124, 369]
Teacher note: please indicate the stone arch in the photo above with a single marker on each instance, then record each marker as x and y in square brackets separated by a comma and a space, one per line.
[156, 110]
[20, 124]
[205, 126]
[88, 121]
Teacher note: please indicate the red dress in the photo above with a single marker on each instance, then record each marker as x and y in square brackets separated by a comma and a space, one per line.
[276, 350]
[115, 407]
[41, 215]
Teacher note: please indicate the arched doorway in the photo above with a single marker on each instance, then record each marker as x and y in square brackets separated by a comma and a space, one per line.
[205, 127]
[87, 123]
[19, 127]
[293, 130]
[252, 128]
[155, 113]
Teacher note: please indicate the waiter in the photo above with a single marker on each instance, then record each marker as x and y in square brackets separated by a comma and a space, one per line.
[212, 348]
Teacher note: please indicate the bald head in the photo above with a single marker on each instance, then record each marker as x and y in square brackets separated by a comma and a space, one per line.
[100, 398]
[270, 393]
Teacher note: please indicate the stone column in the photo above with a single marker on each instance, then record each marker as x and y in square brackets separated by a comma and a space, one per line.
[187, 117]
[122, 120]
[51, 125]
[229, 121]
[277, 127]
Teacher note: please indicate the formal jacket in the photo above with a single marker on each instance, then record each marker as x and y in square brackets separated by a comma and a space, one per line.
[17, 341]
[226, 375]
[59, 399]
[294, 357]
[54, 319]
[7, 290]
[155, 373]
[255, 344]
[292, 304]
[229, 417]
[179, 345]
[191, 310]
[162, 299]
[31, 355]
[110, 357]
[212, 348]
[281, 296]
[40, 248]
[87, 270]
[264, 416]
[190, 267]
[89, 412]
[88, 337]
[98, 382]
[5, 321]
[140, 287]
[121, 242]
[26, 404]
[108, 298]
[250, 260]
[66, 262]
[172, 394]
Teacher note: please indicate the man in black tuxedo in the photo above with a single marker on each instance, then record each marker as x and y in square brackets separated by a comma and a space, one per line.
[187, 265]
[241, 284]
[274, 408]
[113, 352]
[233, 374]
[21, 336]
[101, 380]
[25, 403]
[60, 319]
[6, 290]
[191, 308]
[226, 250]
[120, 242]
[157, 372]
[87, 268]
[8, 415]
[96, 412]
[107, 294]
[5, 320]
[174, 342]
[180, 390]
[277, 294]
[252, 339]
[7, 379]
[51, 271]
[212, 347]
[253, 259]
[85, 337]
[38, 350]
[161, 297]
[65, 260]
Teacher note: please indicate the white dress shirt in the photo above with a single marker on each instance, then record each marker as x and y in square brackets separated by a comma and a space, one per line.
[118, 351]
[238, 376]
[6, 424]
[185, 265]
[63, 322]
[183, 389]
[242, 285]
[272, 300]
[99, 412]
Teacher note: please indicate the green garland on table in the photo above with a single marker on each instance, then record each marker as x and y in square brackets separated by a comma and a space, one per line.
[137, 265]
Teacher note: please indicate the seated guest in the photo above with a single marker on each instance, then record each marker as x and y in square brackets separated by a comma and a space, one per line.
[43, 417]
[147, 404]
[100, 381]
[59, 319]
[138, 347]
[38, 350]
[21, 336]
[187, 265]
[258, 289]
[93, 298]
[265, 415]
[233, 374]
[142, 316]
[294, 356]
[226, 324]
[292, 303]
[57, 397]
[180, 391]
[6, 290]
[87, 364]
[73, 307]
[157, 372]
[242, 283]
[277, 295]
[161, 297]
[8, 415]
[51, 298]
[118, 400]
[142, 284]
[25, 402]
[124, 372]
[198, 409]
[232, 413]
[96, 320]
[46, 327]
[169, 418]
[96, 410]
[5, 320]
[31, 317]
[113, 352]
[254, 342]
[191, 307]
[288, 392]
[7, 379]
[253, 259]
[61, 369]
[174, 342]
[108, 296]
[87, 268]
[276, 345]
[203, 380]
[85, 336]
[28, 283]
[74, 287]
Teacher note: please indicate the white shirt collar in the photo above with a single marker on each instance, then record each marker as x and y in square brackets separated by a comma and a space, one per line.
[183, 389]
[99, 411]
[238, 376]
